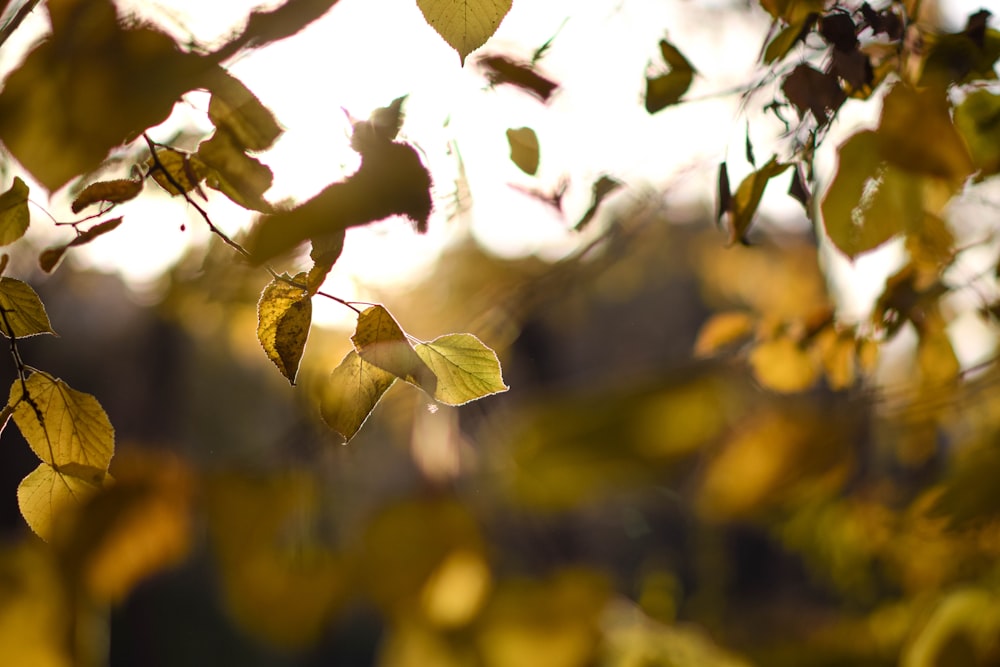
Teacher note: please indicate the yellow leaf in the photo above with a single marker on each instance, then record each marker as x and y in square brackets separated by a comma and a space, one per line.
[234, 173]
[235, 109]
[184, 169]
[747, 197]
[936, 356]
[23, 309]
[465, 368]
[379, 341]
[722, 330]
[977, 118]
[284, 315]
[351, 393]
[464, 24]
[781, 365]
[115, 191]
[74, 434]
[35, 612]
[46, 493]
[839, 355]
[667, 89]
[524, 149]
[14, 214]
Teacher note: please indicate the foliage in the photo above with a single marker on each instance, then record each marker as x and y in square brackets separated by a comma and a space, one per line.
[782, 440]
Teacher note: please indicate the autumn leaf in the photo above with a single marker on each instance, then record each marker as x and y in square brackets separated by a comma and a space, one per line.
[809, 89]
[23, 310]
[783, 366]
[284, 315]
[787, 38]
[524, 149]
[14, 214]
[115, 191]
[351, 393]
[464, 24]
[977, 119]
[465, 368]
[232, 172]
[234, 109]
[50, 257]
[178, 168]
[46, 493]
[747, 197]
[667, 89]
[380, 341]
[67, 429]
[723, 330]
[501, 70]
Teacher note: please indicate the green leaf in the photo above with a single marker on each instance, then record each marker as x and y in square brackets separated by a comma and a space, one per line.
[14, 214]
[380, 341]
[352, 392]
[236, 110]
[51, 256]
[46, 493]
[524, 149]
[24, 310]
[667, 89]
[785, 40]
[73, 433]
[464, 24]
[114, 191]
[747, 197]
[977, 119]
[869, 201]
[284, 315]
[234, 173]
[466, 369]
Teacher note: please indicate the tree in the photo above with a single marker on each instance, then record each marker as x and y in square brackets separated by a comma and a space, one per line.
[788, 442]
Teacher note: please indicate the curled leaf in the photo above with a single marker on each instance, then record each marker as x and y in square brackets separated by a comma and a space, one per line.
[115, 191]
[284, 315]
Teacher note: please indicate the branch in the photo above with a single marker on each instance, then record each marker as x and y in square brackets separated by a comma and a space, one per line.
[15, 21]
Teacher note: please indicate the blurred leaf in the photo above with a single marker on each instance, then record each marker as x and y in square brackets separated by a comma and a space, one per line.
[51, 256]
[502, 70]
[115, 191]
[23, 310]
[35, 612]
[783, 366]
[799, 191]
[284, 316]
[724, 194]
[379, 341]
[961, 629]
[465, 368]
[789, 36]
[325, 252]
[14, 214]
[464, 24]
[792, 11]
[747, 197]
[234, 173]
[722, 330]
[184, 169]
[839, 31]
[839, 355]
[382, 127]
[667, 89]
[74, 434]
[237, 111]
[977, 120]
[936, 355]
[524, 149]
[46, 493]
[961, 57]
[809, 89]
[601, 188]
[351, 393]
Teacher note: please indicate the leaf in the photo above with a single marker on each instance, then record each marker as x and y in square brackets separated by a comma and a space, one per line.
[51, 256]
[465, 368]
[747, 197]
[601, 188]
[722, 330]
[23, 310]
[808, 89]
[74, 434]
[352, 392]
[464, 24]
[237, 111]
[667, 89]
[234, 173]
[14, 214]
[792, 11]
[503, 70]
[789, 36]
[284, 315]
[184, 169]
[977, 120]
[382, 127]
[46, 493]
[724, 196]
[783, 366]
[868, 202]
[379, 341]
[115, 191]
[524, 149]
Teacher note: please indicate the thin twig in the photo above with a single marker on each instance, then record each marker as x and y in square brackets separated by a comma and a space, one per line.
[15, 21]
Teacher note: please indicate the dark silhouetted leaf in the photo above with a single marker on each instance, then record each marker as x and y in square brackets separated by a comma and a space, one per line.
[74, 433]
[799, 190]
[747, 197]
[724, 195]
[236, 110]
[854, 68]
[14, 214]
[380, 129]
[284, 315]
[115, 192]
[748, 148]
[837, 29]
[379, 341]
[232, 172]
[185, 170]
[352, 392]
[808, 89]
[524, 149]
[24, 310]
[464, 24]
[601, 188]
[264, 27]
[51, 256]
[667, 89]
[503, 70]
[465, 368]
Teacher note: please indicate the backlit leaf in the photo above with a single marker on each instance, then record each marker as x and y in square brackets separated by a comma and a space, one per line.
[747, 197]
[379, 341]
[601, 188]
[352, 392]
[51, 256]
[464, 24]
[74, 434]
[23, 310]
[234, 173]
[115, 191]
[465, 368]
[667, 89]
[524, 149]
[184, 170]
[46, 493]
[284, 315]
[783, 366]
[14, 214]
[723, 330]
[234, 109]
